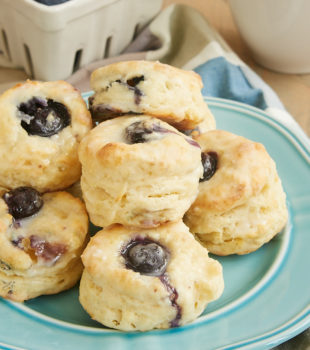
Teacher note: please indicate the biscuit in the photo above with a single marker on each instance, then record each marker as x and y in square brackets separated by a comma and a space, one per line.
[138, 171]
[241, 204]
[138, 280]
[145, 87]
[41, 125]
[41, 241]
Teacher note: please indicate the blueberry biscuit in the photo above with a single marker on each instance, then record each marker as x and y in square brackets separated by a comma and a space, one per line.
[144, 279]
[41, 240]
[138, 171]
[153, 88]
[241, 203]
[41, 126]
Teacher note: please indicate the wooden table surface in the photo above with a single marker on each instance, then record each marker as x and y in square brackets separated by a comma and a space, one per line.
[293, 90]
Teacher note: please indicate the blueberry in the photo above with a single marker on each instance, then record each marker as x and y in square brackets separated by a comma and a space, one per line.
[43, 117]
[144, 131]
[145, 256]
[45, 250]
[51, 2]
[138, 132]
[209, 162]
[133, 82]
[132, 85]
[23, 202]
[38, 247]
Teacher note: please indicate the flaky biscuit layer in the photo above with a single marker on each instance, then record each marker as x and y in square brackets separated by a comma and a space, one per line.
[145, 87]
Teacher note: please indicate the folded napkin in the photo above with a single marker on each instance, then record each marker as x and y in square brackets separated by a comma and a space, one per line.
[182, 37]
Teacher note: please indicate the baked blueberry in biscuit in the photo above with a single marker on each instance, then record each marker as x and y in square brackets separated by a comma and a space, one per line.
[41, 240]
[23, 202]
[134, 279]
[41, 126]
[138, 171]
[139, 132]
[145, 256]
[43, 117]
[149, 130]
[209, 163]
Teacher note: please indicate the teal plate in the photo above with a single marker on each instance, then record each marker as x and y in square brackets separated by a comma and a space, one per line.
[267, 293]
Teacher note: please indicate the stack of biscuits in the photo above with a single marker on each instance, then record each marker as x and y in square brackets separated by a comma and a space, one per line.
[164, 185]
[140, 174]
[43, 230]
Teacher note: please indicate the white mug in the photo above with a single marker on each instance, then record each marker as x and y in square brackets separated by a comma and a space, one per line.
[276, 31]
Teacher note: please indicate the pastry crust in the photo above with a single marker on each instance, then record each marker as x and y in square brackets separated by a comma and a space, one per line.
[44, 163]
[141, 184]
[41, 254]
[243, 205]
[145, 87]
[121, 298]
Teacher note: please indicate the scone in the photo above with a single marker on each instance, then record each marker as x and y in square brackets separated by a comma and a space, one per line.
[241, 203]
[145, 87]
[41, 125]
[138, 280]
[41, 241]
[138, 171]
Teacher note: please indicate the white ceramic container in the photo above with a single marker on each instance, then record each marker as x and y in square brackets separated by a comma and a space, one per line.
[51, 42]
[276, 31]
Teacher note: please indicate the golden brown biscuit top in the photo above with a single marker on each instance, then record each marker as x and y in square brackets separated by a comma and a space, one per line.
[243, 168]
[130, 69]
[144, 87]
[162, 151]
